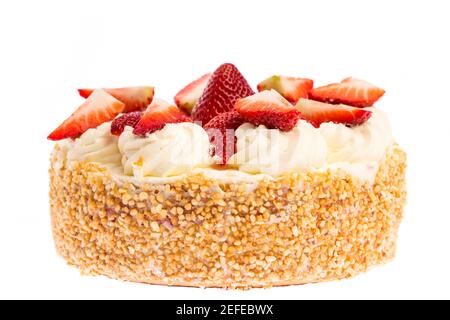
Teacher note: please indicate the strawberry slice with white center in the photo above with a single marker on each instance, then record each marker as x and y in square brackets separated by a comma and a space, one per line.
[350, 91]
[187, 98]
[318, 112]
[134, 98]
[100, 107]
[268, 108]
[157, 115]
[289, 87]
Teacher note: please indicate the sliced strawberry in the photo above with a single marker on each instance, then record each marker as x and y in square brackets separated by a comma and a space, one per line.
[130, 119]
[289, 87]
[351, 91]
[100, 107]
[135, 98]
[221, 134]
[224, 88]
[318, 112]
[157, 115]
[268, 108]
[187, 98]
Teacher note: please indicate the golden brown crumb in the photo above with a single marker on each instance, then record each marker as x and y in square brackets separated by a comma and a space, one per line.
[301, 228]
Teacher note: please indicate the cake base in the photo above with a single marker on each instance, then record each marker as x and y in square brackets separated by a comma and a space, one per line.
[301, 228]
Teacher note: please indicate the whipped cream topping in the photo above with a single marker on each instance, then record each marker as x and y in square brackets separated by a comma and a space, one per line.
[271, 151]
[183, 148]
[357, 150]
[367, 142]
[96, 145]
[61, 153]
[173, 150]
[364, 170]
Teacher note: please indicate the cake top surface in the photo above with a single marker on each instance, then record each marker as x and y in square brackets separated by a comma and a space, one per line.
[218, 122]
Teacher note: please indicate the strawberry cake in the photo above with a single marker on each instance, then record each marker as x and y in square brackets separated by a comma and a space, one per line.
[228, 187]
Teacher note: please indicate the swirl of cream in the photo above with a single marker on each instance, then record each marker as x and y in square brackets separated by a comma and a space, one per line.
[271, 151]
[173, 150]
[96, 145]
[367, 142]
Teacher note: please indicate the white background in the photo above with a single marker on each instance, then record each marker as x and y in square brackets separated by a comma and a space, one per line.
[49, 48]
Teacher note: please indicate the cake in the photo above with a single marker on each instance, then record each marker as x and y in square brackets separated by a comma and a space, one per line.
[228, 187]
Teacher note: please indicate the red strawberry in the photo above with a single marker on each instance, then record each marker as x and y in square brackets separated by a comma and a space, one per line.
[157, 115]
[135, 98]
[354, 92]
[187, 98]
[221, 134]
[224, 88]
[268, 108]
[289, 87]
[317, 112]
[100, 107]
[130, 119]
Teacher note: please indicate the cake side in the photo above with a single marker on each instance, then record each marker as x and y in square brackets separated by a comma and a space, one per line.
[197, 231]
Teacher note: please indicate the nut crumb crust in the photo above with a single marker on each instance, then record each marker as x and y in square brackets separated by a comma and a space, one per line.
[300, 228]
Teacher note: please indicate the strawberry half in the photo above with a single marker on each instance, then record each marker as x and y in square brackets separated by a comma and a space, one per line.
[187, 98]
[350, 91]
[318, 112]
[130, 119]
[157, 115]
[268, 108]
[100, 107]
[134, 98]
[221, 134]
[224, 88]
[289, 87]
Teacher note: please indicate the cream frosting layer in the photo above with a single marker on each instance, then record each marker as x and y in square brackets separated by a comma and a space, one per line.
[173, 150]
[367, 142]
[95, 145]
[182, 148]
[262, 150]
[355, 150]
